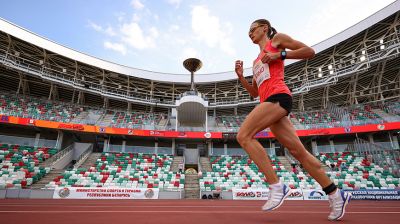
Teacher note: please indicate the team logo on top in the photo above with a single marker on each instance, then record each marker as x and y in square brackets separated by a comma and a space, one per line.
[130, 132]
[207, 135]
[381, 126]
[102, 129]
[64, 192]
[149, 193]
[347, 129]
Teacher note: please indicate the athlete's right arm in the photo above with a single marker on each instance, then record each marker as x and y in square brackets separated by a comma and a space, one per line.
[252, 89]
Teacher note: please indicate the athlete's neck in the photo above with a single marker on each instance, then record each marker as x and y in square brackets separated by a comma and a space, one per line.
[262, 43]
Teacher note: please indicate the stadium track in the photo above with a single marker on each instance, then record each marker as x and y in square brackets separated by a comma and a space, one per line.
[39, 211]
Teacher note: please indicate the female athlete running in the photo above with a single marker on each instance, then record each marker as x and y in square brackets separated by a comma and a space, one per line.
[273, 110]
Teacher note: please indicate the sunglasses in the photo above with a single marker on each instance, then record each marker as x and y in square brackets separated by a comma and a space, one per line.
[254, 28]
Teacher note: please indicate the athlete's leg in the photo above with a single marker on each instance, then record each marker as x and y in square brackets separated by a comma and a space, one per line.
[263, 116]
[286, 134]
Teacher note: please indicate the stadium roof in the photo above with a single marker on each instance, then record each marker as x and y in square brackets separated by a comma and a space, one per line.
[49, 45]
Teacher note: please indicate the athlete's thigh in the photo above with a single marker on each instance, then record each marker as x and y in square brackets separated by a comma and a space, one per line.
[285, 132]
[261, 117]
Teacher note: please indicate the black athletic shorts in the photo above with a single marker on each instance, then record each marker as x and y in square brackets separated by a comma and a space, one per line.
[285, 101]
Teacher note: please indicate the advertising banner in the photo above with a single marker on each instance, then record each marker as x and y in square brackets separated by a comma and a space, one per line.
[250, 194]
[191, 134]
[295, 194]
[314, 194]
[105, 193]
[375, 194]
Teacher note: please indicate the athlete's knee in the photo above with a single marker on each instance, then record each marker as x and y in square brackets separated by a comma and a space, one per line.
[242, 137]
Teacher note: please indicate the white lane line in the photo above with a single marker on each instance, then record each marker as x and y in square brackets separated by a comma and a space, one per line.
[166, 206]
[197, 212]
[170, 206]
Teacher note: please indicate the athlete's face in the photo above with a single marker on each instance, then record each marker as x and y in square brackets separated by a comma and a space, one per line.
[256, 32]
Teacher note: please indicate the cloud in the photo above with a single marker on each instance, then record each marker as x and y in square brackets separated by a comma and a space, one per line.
[133, 35]
[120, 16]
[209, 29]
[137, 4]
[109, 30]
[340, 15]
[189, 53]
[115, 47]
[173, 28]
[175, 3]
[96, 27]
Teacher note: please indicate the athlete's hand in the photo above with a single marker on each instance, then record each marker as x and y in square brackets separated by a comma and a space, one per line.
[269, 56]
[239, 68]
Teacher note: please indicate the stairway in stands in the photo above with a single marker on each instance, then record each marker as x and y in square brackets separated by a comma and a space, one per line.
[175, 163]
[205, 164]
[46, 179]
[285, 162]
[91, 160]
[192, 186]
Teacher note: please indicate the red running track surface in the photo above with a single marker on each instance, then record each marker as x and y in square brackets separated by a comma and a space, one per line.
[32, 211]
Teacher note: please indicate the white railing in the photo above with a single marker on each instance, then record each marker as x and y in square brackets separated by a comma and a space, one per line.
[54, 159]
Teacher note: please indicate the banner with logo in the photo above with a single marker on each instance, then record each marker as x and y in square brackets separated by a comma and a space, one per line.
[375, 194]
[105, 193]
[190, 134]
[250, 194]
[314, 194]
[295, 194]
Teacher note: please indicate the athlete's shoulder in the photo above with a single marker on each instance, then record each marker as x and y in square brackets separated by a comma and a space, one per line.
[281, 36]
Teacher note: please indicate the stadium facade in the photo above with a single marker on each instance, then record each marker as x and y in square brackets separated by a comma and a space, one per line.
[346, 99]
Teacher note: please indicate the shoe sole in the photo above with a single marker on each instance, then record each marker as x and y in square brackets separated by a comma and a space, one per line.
[348, 198]
[280, 203]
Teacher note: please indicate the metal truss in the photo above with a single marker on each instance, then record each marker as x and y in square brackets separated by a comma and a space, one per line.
[363, 68]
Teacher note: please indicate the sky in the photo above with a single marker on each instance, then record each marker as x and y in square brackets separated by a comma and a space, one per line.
[158, 35]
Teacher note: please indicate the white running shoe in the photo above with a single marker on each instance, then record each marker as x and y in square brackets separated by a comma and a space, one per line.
[276, 198]
[338, 205]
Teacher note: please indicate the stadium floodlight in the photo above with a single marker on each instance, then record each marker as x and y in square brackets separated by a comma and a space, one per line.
[83, 78]
[320, 69]
[119, 86]
[363, 52]
[330, 67]
[382, 47]
[40, 62]
[319, 75]
[64, 70]
[331, 72]
[17, 53]
[381, 41]
[362, 58]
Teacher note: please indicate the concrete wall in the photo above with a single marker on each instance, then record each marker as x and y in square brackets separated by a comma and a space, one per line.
[48, 194]
[64, 161]
[80, 148]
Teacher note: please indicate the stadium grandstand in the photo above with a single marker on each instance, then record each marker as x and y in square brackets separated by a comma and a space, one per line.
[71, 124]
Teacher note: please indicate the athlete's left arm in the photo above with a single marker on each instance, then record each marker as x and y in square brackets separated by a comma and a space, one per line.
[298, 50]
